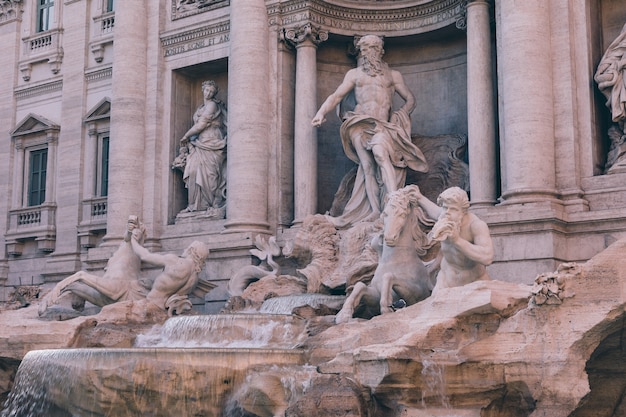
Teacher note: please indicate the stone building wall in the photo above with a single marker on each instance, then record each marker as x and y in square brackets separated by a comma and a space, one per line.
[536, 171]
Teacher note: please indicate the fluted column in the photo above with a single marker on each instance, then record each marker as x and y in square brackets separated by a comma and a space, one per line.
[480, 106]
[128, 105]
[525, 67]
[305, 39]
[248, 117]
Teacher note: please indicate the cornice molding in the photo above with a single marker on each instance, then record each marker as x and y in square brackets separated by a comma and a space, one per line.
[348, 19]
[338, 17]
[98, 74]
[38, 90]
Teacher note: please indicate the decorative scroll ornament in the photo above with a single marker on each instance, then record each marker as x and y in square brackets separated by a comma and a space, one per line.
[461, 20]
[297, 35]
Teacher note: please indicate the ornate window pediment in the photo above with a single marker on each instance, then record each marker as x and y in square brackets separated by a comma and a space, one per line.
[33, 124]
[102, 110]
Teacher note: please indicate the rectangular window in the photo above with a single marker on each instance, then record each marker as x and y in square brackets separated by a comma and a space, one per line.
[45, 14]
[110, 5]
[37, 177]
[103, 178]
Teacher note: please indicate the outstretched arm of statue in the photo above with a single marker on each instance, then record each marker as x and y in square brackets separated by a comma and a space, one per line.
[334, 99]
[145, 255]
[431, 209]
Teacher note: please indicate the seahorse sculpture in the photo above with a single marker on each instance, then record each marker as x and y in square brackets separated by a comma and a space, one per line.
[265, 250]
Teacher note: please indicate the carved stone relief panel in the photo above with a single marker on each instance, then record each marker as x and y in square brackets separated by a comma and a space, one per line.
[10, 10]
[184, 8]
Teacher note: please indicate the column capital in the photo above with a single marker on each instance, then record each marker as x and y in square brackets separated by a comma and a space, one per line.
[461, 21]
[296, 36]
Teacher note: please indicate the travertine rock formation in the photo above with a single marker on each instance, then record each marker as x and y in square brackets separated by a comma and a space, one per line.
[484, 349]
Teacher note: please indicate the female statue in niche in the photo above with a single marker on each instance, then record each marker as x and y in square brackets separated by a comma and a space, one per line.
[202, 157]
[611, 78]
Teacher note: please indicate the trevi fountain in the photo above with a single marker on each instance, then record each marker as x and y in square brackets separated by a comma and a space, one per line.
[393, 303]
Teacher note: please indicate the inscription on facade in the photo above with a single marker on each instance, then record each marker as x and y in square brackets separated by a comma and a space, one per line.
[196, 44]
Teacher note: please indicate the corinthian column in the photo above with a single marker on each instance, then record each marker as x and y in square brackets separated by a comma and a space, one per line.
[128, 104]
[305, 38]
[480, 105]
[248, 117]
[527, 113]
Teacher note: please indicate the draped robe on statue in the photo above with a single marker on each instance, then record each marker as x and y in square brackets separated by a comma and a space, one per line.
[403, 153]
[611, 77]
[204, 173]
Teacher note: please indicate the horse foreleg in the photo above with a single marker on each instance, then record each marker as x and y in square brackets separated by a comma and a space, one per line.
[386, 293]
[61, 287]
[353, 300]
[113, 289]
[58, 290]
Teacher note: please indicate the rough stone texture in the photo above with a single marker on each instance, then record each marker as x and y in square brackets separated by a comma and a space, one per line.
[488, 349]
[331, 396]
[483, 349]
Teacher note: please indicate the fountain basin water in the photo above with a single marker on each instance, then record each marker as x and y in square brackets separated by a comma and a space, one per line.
[286, 304]
[136, 382]
[227, 331]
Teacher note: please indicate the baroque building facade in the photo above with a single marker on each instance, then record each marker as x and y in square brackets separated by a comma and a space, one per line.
[96, 95]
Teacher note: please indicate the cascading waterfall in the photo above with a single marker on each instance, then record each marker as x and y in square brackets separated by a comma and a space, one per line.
[191, 364]
[434, 384]
[136, 381]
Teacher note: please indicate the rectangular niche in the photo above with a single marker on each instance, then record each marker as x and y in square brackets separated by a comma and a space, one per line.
[185, 99]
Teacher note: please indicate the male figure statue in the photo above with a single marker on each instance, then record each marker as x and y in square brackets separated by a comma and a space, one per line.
[466, 245]
[172, 286]
[373, 135]
[120, 282]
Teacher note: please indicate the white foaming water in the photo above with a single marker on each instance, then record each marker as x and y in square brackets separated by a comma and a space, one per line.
[226, 331]
[29, 398]
[434, 384]
[286, 304]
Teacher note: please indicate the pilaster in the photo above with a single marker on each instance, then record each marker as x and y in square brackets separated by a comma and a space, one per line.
[305, 38]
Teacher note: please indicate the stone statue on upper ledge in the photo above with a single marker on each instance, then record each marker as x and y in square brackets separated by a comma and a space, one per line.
[611, 79]
[373, 135]
[202, 158]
